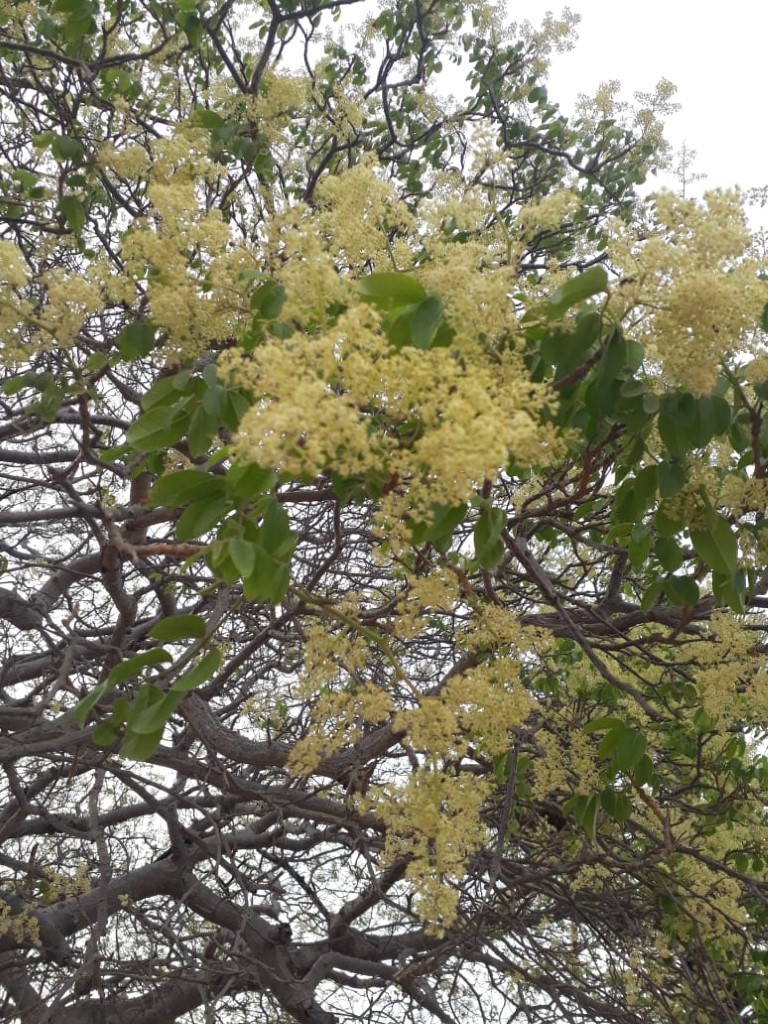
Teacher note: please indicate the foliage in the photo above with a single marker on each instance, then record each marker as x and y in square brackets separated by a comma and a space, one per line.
[384, 531]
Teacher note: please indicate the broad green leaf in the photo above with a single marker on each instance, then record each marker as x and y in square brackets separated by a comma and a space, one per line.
[577, 290]
[276, 535]
[489, 545]
[179, 627]
[158, 429]
[441, 529]
[669, 553]
[623, 746]
[599, 724]
[136, 339]
[128, 669]
[681, 590]
[131, 668]
[584, 809]
[201, 431]
[389, 290]
[197, 675]
[200, 517]
[243, 555]
[672, 477]
[245, 482]
[268, 299]
[186, 485]
[140, 746]
[64, 147]
[73, 211]
[717, 546]
[154, 718]
[642, 773]
[105, 734]
[424, 321]
[616, 805]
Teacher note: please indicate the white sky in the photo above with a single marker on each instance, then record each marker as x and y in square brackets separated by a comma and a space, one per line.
[714, 53]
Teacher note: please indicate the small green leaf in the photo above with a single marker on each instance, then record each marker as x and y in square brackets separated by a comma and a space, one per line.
[669, 553]
[179, 627]
[623, 746]
[267, 300]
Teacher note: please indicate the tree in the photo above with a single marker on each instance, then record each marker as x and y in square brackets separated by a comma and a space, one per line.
[384, 527]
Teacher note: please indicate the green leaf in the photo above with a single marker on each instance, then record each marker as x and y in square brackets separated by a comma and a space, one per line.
[64, 147]
[158, 429]
[489, 545]
[141, 747]
[616, 805]
[717, 546]
[131, 668]
[441, 529]
[639, 544]
[246, 481]
[202, 429]
[200, 517]
[136, 340]
[600, 724]
[623, 746]
[389, 290]
[243, 554]
[267, 300]
[179, 627]
[589, 283]
[424, 321]
[681, 590]
[584, 809]
[167, 390]
[128, 669]
[186, 485]
[83, 706]
[276, 535]
[669, 553]
[197, 675]
[642, 773]
[73, 211]
[105, 734]
[672, 478]
[154, 718]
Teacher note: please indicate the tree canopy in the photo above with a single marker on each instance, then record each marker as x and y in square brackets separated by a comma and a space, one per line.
[384, 530]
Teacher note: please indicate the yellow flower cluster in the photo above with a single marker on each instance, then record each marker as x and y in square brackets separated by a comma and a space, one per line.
[24, 926]
[434, 819]
[699, 295]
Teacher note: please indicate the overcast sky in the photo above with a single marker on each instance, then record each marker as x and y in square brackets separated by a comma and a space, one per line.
[717, 55]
